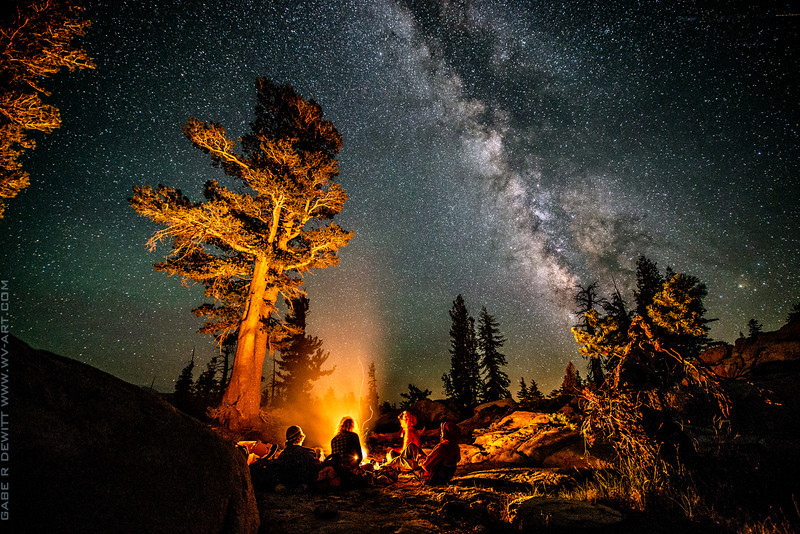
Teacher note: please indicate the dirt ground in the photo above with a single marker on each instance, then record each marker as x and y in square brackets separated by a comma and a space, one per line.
[405, 507]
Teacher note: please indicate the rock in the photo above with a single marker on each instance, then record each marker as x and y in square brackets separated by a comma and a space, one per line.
[471, 454]
[430, 413]
[512, 479]
[548, 442]
[575, 456]
[522, 438]
[748, 354]
[95, 454]
[486, 414]
[562, 515]
[386, 423]
[521, 419]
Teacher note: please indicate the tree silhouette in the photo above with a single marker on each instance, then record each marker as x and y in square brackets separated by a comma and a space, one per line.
[207, 387]
[754, 328]
[529, 396]
[462, 383]
[302, 359]
[648, 284]
[586, 300]
[254, 242]
[495, 383]
[184, 386]
[572, 380]
[413, 396]
[794, 314]
[36, 42]
[523, 389]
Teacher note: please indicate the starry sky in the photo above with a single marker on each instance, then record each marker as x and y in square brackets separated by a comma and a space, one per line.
[505, 151]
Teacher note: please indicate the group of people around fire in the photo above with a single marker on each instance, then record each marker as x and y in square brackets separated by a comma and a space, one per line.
[297, 467]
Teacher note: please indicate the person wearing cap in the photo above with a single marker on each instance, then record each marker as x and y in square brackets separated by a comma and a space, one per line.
[299, 465]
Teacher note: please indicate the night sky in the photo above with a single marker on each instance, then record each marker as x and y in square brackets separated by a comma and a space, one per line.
[506, 151]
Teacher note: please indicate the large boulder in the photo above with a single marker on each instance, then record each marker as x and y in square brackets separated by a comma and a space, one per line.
[746, 355]
[531, 439]
[563, 515]
[91, 453]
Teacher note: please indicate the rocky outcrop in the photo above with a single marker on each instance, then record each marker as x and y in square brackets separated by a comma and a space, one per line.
[746, 355]
[533, 439]
[92, 453]
[486, 414]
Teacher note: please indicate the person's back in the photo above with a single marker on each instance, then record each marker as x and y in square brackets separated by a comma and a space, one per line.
[297, 465]
[347, 446]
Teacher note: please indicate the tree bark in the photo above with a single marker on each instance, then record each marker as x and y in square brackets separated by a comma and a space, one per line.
[242, 398]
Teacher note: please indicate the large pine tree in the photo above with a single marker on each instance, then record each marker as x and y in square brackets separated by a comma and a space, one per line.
[263, 234]
[490, 340]
[462, 383]
[37, 41]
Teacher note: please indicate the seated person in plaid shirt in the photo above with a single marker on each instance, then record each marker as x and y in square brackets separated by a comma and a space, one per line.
[346, 444]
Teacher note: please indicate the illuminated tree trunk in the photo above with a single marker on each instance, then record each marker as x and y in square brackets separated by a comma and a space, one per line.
[242, 398]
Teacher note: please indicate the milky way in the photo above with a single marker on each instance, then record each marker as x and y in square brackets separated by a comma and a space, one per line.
[505, 151]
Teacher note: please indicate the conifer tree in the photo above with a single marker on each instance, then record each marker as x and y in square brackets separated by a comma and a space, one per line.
[534, 397]
[184, 385]
[754, 328]
[413, 396]
[677, 314]
[523, 390]
[651, 357]
[529, 396]
[207, 386]
[495, 380]
[262, 235]
[302, 360]
[462, 383]
[37, 41]
[794, 314]
[572, 382]
[649, 283]
[586, 300]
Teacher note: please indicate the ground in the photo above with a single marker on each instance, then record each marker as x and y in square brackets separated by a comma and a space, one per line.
[407, 507]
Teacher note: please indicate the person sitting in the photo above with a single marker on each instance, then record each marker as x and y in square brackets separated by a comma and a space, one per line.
[440, 465]
[346, 445]
[298, 465]
[409, 456]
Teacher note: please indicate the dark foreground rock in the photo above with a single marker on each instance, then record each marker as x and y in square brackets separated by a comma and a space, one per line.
[556, 515]
[92, 453]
